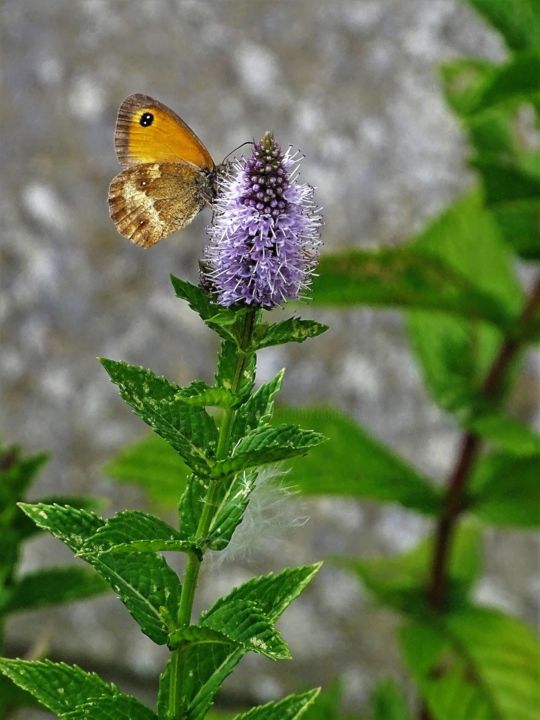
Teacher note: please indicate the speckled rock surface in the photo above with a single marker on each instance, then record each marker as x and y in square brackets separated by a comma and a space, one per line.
[353, 83]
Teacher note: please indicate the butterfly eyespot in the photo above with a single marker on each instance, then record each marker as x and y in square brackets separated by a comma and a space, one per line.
[143, 183]
[142, 222]
[147, 119]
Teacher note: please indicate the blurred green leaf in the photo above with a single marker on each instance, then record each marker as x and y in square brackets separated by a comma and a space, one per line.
[517, 20]
[505, 490]
[290, 708]
[12, 696]
[407, 276]
[152, 464]
[475, 664]
[354, 464]
[401, 581]
[327, 705]
[506, 433]
[52, 586]
[389, 702]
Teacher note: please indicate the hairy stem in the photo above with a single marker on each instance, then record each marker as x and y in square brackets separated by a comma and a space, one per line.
[471, 444]
[191, 575]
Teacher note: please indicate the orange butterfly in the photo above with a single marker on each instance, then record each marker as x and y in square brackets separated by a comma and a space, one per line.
[169, 174]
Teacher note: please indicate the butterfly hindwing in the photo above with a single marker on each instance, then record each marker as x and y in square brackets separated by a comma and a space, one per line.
[149, 201]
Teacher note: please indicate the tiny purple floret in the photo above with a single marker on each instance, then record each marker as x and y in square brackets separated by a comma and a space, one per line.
[265, 234]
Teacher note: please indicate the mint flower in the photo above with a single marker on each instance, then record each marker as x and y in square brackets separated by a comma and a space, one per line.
[264, 237]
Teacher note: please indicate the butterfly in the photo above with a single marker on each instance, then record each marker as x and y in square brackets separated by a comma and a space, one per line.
[168, 176]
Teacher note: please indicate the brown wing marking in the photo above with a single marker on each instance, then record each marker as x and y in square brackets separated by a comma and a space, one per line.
[147, 202]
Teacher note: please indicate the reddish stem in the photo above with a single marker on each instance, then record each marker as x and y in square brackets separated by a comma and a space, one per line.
[471, 445]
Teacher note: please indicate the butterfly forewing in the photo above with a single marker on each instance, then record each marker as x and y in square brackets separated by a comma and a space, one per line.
[148, 131]
[149, 201]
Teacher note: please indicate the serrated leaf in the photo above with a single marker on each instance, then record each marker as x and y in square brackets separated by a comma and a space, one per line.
[147, 586]
[505, 490]
[272, 593]
[354, 464]
[122, 707]
[189, 430]
[244, 623]
[231, 506]
[290, 708]
[205, 667]
[152, 464]
[476, 664]
[52, 586]
[389, 702]
[191, 505]
[57, 686]
[267, 444]
[406, 277]
[197, 298]
[257, 409]
[400, 581]
[291, 330]
[127, 527]
[518, 21]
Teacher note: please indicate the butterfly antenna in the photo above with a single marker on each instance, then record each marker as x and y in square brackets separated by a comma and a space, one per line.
[248, 142]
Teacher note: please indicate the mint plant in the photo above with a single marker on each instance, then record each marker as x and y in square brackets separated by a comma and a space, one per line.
[263, 246]
[470, 319]
[40, 588]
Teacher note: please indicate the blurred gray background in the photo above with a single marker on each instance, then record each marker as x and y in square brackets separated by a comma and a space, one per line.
[353, 83]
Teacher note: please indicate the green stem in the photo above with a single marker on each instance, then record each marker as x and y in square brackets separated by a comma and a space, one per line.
[191, 575]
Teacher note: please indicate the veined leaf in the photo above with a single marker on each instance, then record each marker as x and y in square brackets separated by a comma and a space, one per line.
[147, 586]
[189, 430]
[401, 581]
[245, 624]
[122, 707]
[290, 708]
[291, 330]
[477, 664]
[205, 667]
[267, 444]
[518, 21]
[505, 490]
[57, 686]
[354, 464]
[52, 586]
[129, 526]
[406, 277]
[231, 508]
[226, 369]
[152, 464]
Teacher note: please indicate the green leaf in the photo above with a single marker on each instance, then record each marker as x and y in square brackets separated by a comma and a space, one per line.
[147, 586]
[476, 664]
[17, 473]
[464, 81]
[191, 505]
[400, 581]
[506, 433]
[197, 298]
[189, 430]
[245, 624]
[272, 593]
[136, 530]
[257, 409]
[327, 705]
[290, 708]
[152, 464]
[267, 444]
[354, 464]
[122, 707]
[204, 667]
[408, 277]
[518, 21]
[291, 330]
[57, 686]
[230, 509]
[505, 491]
[389, 702]
[51, 587]
[13, 697]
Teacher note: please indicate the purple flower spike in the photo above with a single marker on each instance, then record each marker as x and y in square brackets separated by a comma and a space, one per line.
[264, 237]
